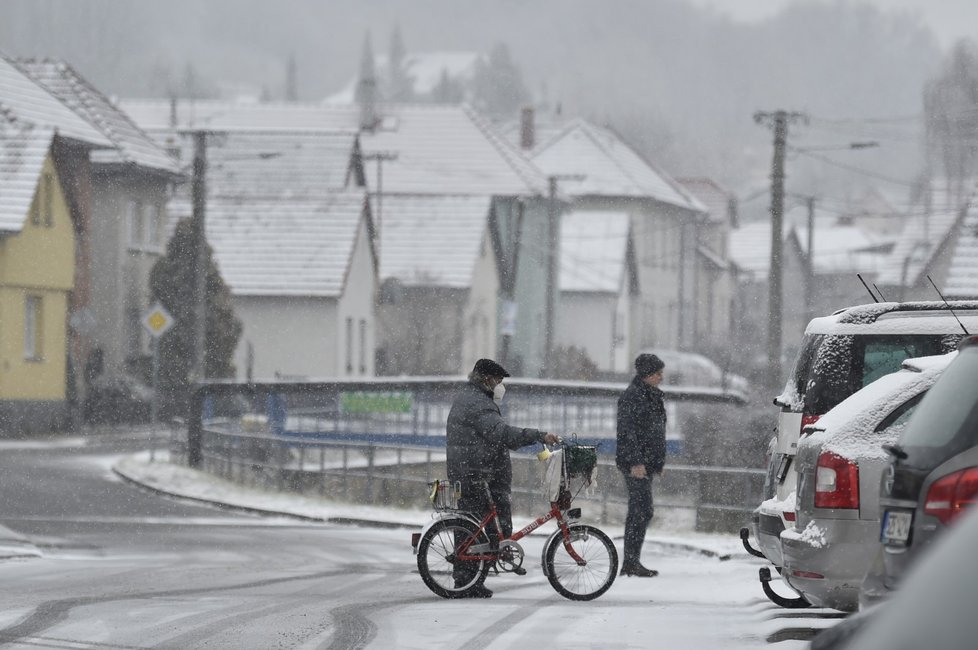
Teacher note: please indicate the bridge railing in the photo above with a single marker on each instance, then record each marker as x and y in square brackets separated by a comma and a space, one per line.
[380, 441]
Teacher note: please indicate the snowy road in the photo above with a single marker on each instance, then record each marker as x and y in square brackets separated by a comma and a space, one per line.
[133, 570]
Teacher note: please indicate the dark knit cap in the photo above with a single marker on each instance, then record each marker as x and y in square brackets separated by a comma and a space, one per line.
[489, 368]
[648, 364]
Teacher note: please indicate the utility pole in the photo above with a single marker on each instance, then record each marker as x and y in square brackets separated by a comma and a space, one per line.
[553, 243]
[199, 202]
[779, 120]
[381, 157]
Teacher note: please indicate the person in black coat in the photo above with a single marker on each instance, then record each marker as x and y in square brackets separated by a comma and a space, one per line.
[641, 454]
[478, 446]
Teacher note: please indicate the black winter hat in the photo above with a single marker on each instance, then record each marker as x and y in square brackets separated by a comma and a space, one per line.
[648, 364]
[489, 368]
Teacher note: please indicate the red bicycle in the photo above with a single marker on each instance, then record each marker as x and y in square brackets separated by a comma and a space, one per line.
[579, 560]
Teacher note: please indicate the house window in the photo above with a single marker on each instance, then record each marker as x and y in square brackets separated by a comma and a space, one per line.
[349, 346]
[135, 220]
[151, 225]
[33, 333]
[363, 346]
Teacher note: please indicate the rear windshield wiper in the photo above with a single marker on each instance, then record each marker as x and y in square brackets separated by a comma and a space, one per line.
[896, 451]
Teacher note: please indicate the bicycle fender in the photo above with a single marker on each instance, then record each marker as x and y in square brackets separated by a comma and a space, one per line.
[441, 517]
[546, 545]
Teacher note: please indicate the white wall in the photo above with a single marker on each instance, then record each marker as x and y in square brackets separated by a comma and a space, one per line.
[288, 335]
[481, 312]
[586, 321]
[354, 349]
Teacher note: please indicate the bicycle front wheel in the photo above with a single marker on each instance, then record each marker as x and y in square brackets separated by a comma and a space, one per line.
[445, 575]
[570, 579]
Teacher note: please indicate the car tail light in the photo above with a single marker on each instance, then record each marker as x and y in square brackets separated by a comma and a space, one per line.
[807, 421]
[836, 482]
[950, 494]
[789, 515]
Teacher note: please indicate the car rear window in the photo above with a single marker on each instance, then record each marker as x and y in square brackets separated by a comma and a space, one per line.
[846, 363]
[948, 415]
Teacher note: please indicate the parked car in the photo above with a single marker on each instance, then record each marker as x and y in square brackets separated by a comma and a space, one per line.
[933, 476]
[840, 460]
[933, 609]
[692, 369]
[840, 354]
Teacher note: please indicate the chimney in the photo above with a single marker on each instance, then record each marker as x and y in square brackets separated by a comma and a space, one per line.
[527, 135]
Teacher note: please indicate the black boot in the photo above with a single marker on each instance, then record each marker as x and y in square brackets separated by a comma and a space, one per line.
[636, 569]
[479, 591]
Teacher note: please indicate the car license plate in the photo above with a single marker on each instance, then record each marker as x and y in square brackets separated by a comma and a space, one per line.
[896, 528]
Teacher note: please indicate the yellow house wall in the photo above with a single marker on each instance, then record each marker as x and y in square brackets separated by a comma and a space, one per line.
[39, 261]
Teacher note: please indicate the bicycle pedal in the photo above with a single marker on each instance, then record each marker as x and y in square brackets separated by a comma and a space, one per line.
[520, 571]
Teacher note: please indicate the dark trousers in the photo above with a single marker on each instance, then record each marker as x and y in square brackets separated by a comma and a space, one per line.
[637, 520]
[474, 501]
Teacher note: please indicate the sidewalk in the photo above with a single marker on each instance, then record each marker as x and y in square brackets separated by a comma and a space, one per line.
[183, 482]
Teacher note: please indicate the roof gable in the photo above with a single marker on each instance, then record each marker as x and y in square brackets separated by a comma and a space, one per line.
[132, 145]
[593, 247]
[23, 150]
[24, 100]
[607, 167]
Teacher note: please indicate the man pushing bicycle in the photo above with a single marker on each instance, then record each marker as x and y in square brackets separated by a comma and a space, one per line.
[478, 446]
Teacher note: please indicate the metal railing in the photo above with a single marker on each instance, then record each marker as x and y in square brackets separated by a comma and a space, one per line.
[380, 442]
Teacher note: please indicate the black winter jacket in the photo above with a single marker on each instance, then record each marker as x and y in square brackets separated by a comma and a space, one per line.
[479, 439]
[641, 428]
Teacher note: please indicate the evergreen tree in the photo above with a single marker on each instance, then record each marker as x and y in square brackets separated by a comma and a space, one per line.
[498, 84]
[291, 81]
[448, 90]
[400, 88]
[172, 283]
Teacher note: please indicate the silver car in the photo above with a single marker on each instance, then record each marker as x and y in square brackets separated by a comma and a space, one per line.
[840, 462]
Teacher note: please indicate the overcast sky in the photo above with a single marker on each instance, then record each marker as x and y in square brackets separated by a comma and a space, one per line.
[950, 19]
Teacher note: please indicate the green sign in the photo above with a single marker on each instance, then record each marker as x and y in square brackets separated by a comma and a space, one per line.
[364, 402]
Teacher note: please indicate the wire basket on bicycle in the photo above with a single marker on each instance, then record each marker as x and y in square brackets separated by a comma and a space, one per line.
[571, 469]
[444, 495]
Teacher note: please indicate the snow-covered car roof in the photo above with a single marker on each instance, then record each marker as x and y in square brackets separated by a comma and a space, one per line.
[848, 429]
[899, 318]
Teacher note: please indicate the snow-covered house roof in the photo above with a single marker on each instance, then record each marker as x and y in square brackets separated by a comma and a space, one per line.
[606, 166]
[278, 165]
[714, 198]
[422, 69]
[438, 149]
[131, 144]
[924, 237]
[30, 117]
[431, 240]
[23, 150]
[962, 277]
[278, 217]
[267, 247]
[750, 248]
[25, 101]
[844, 248]
[446, 149]
[593, 250]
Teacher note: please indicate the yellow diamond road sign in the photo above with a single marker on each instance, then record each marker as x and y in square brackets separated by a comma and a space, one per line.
[157, 320]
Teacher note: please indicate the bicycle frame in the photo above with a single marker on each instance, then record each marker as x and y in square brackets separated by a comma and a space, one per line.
[469, 551]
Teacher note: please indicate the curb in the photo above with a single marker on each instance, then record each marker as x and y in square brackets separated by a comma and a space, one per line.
[13, 545]
[346, 521]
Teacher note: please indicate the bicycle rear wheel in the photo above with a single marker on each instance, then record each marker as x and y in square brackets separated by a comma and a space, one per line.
[572, 580]
[441, 572]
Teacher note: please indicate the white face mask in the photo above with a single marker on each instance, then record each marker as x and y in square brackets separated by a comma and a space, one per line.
[498, 392]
